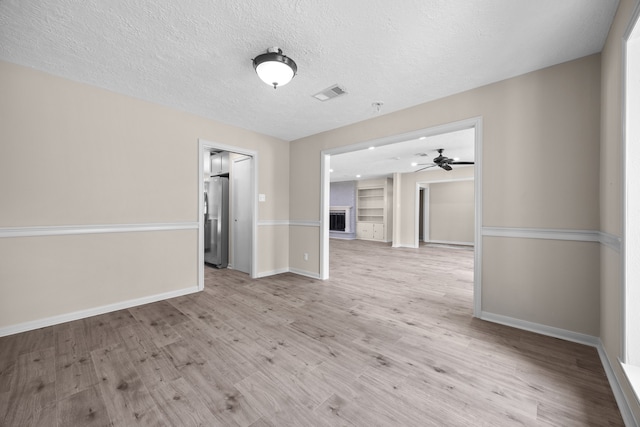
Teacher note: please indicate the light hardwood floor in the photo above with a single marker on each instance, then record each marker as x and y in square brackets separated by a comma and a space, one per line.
[389, 340]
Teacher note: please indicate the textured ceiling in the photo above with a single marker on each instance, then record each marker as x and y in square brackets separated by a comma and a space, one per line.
[195, 55]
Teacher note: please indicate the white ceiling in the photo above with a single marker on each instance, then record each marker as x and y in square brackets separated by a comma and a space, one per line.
[383, 161]
[195, 55]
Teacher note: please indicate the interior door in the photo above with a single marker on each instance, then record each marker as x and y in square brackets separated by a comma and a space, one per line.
[241, 223]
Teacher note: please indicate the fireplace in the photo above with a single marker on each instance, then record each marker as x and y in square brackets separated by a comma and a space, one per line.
[337, 221]
[340, 219]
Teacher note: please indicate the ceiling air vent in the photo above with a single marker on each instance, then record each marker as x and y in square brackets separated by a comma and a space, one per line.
[330, 92]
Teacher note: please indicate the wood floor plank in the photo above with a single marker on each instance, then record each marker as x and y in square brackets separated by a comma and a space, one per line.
[222, 398]
[160, 323]
[181, 405]
[273, 402]
[162, 311]
[152, 364]
[388, 340]
[74, 368]
[98, 332]
[127, 400]
[205, 347]
[11, 347]
[46, 417]
[262, 423]
[85, 408]
[32, 388]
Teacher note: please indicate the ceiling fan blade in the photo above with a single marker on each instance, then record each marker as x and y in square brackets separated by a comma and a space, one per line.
[426, 167]
[446, 167]
[461, 163]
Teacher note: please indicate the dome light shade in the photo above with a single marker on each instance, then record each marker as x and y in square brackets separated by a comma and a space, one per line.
[274, 68]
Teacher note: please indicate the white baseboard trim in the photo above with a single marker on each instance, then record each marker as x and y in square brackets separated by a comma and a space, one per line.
[541, 329]
[621, 400]
[632, 373]
[305, 273]
[618, 394]
[272, 272]
[81, 314]
[289, 270]
[447, 242]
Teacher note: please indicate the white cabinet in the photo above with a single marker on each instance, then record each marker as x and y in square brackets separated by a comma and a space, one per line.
[364, 230]
[220, 163]
[378, 232]
[370, 231]
[374, 210]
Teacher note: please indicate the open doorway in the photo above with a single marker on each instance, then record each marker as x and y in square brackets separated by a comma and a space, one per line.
[406, 220]
[446, 212]
[238, 173]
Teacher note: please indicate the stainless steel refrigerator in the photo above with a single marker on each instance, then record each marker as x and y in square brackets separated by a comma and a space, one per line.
[216, 220]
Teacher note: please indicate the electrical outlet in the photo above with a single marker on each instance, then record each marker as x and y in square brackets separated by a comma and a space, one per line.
[306, 256]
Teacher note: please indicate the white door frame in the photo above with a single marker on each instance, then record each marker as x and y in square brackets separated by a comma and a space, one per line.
[205, 146]
[426, 234]
[325, 155]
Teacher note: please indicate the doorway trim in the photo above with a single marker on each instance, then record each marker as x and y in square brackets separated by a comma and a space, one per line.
[205, 146]
[325, 161]
[629, 270]
[426, 195]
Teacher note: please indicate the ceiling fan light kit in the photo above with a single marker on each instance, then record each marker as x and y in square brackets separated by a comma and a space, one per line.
[274, 68]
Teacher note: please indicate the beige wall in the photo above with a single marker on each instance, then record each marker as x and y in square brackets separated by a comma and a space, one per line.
[43, 277]
[306, 241]
[72, 154]
[532, 126]
[523, 273]
[407, 202]
[451, 212]
[611, 167]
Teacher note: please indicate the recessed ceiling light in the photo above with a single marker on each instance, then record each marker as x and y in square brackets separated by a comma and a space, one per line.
[414, 164]
[330, 170]
[372, 148]
[357, 176]
[423, 137]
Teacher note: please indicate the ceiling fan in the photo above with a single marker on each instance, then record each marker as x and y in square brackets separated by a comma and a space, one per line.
[443, 162]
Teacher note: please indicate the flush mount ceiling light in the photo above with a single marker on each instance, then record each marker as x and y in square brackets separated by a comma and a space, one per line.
[274, 68]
